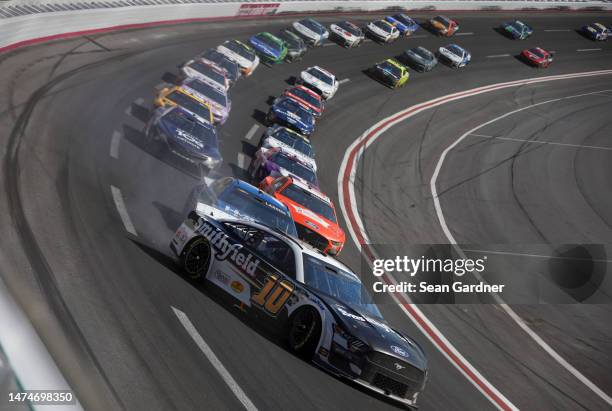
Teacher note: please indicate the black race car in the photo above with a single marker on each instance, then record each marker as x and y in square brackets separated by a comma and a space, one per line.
[296, 47]
[420, 59]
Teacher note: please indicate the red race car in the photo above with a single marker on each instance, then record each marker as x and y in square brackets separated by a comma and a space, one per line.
[537, 56]
[313, 212]
[307, 98]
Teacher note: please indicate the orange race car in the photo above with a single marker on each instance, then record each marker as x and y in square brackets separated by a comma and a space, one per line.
[444, 26]
[313, 212]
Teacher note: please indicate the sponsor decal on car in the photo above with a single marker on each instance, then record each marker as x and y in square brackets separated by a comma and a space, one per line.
[237, 286]
[349, 314]
[226, 250]
[399, 351]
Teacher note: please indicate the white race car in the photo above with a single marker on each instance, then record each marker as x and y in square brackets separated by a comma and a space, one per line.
[291, 142]
[205, 72]
[313, 32]
[383, 31]
[454, 55]
[240, 54]
[348, 33]
[320, 305]
[320, 81]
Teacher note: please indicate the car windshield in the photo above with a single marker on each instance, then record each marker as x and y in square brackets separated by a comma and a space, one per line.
[320, 75]
[338, 284]
[442, 20]
[208, 71]
[390, 68]
[209, 91]
[304, 95]
[383, 25]
[240, 49]
[204, 133]
[239, 201]
[313, 25]
[294, 141]
[269, 247]
[190, 104]
[269, 41]
[229, 66]
[423, 52]
[350, 27]
[453, 48]
[310, 201]
[404, 19]
[291, 39]
[537, 52]
[518, 25]
[294, 167]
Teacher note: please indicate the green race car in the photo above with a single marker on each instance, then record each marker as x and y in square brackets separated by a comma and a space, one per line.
[390, 72]
[269, 47]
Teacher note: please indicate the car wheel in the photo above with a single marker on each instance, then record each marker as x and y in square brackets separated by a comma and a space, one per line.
[196, 258]
[304, 331]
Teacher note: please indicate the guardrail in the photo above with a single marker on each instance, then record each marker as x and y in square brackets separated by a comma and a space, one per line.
[25, 22]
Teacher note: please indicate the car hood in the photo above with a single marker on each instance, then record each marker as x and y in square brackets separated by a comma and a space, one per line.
[197, 145]
[376, 333]
[306, 121]
[315, 222]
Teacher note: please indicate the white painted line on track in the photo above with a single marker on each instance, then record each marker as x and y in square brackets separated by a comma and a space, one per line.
[214, 360]
[348, 204]
[345, 80]
[114, 146]
[208, 181]
[464, 34]
[249, 135]
[122, 210]
[494, 56]
[329, 44]
[552, 143]
[556, 30]
[517, 319]
[139, 101]
[242, 160]
[551, 257]
[582, 50]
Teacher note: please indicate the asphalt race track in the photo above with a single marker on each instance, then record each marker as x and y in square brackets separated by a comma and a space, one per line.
[89, 209]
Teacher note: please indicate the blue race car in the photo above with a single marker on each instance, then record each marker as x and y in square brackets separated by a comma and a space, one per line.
[597, 31]
[516, 30]
[271, 49]
[229, 197]
[288, 112]
[186, 136]
[403, 23]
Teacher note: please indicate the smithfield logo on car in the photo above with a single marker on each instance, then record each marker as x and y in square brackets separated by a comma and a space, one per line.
[399, 351]
[224, 249]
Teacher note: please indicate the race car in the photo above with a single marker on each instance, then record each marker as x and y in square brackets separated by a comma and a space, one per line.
[275, 162]
[180, 96]
[596, 31]
[404, 24]
[296, 47]
[537, 57]
[290, 142]
[313, 32]
[443, 26]
[383, 31]
[204, 71]
[312, 211]
[240, 54]
[211, 93]
[290, 113]
[419, 58]
[186, 136]
[516, 30]
[232, 70]
[347, 33]
[229, 197]
[454, 55]
[390, 72]
[320, 81]
[269, 47]
[307, 98]
[325, 313]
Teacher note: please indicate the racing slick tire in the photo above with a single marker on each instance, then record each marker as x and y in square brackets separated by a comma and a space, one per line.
[196, 258]
[304, 332]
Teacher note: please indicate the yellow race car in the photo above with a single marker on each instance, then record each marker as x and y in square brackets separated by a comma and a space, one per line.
[178, 96]
[390, 72]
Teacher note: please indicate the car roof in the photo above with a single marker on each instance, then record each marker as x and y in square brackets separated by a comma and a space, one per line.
[256, 192]
[305, 89]
[322, 70]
